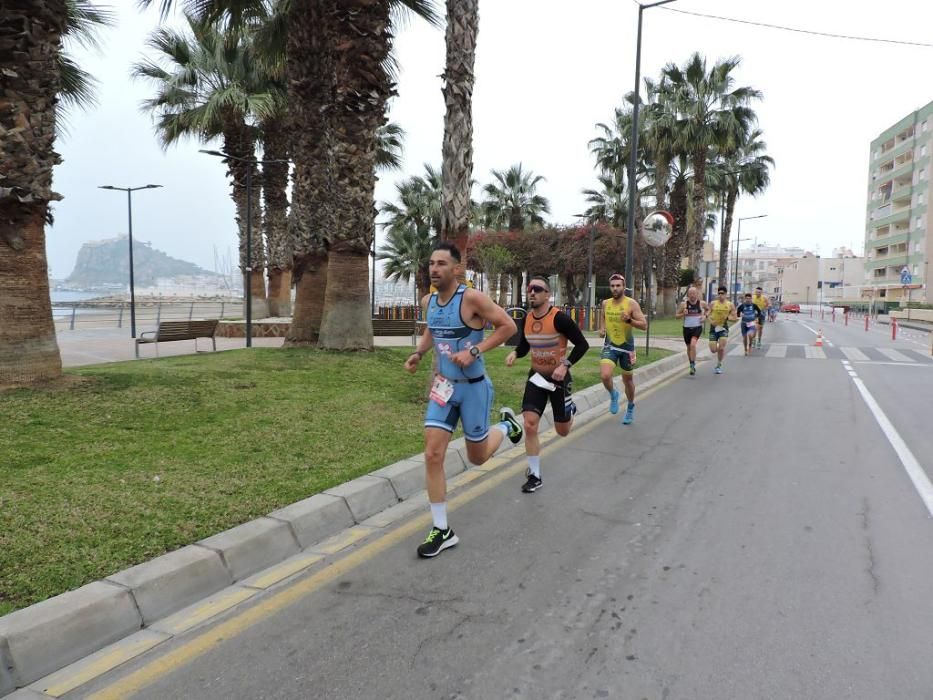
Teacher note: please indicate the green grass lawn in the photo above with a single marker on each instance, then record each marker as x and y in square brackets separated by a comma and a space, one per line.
[667, 327]
[127, 461]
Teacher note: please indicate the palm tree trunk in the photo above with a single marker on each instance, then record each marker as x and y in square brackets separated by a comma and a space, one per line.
[309, 303]
[674, 250]
[310, 82]
[695, 250]
[457, 165]
[363, 88]
[30, 40]
[731, 197]
[275, 219]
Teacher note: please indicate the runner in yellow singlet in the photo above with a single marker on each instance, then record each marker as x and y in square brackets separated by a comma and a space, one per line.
[619, 315]
[721, 311]
[760, 300]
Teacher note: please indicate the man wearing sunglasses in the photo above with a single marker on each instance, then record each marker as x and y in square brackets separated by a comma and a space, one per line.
[619, 316]
[544, 334]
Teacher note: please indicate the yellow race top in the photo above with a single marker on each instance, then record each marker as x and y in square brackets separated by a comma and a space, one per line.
[719, 312]
[618, 331]
[760, 300]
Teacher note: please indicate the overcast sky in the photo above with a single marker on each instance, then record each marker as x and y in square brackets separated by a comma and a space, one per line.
[547, 71]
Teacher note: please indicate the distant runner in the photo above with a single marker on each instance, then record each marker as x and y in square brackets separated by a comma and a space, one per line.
[761, 301]
[749, 314]
[693, 311]
[721, 311]
[619, 315]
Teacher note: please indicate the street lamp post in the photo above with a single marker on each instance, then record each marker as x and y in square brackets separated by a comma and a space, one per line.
[630, 230]
[590, 287]
[248, 270]
[738, 237]
[129, 210]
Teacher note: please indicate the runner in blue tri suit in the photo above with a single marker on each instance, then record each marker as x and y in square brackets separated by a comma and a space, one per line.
[461, 392]
[749, 314]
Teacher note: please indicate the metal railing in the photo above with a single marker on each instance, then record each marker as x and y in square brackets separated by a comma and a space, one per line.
[80, 315]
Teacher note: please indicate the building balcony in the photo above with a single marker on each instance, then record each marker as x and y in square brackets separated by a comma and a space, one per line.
[902, 194]
[893, 218]
[888, 240]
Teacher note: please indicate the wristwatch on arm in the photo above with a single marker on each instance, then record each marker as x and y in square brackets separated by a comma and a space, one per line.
[475, 351]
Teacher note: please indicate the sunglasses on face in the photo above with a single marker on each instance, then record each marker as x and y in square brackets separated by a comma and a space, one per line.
[535, 289]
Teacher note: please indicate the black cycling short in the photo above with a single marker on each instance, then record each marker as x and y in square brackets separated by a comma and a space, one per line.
[691, 333]
[536, 399]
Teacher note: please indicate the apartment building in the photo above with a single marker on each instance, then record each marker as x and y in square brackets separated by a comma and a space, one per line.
[758, 266]
[899, 191]
[811, 279]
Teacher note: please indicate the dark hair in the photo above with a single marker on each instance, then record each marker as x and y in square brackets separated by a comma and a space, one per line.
[748, 294]
[544, 279]
[757, 289]
[722, 289]
[450, 247]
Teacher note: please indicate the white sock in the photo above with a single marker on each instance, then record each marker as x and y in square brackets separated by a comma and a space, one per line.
[439, 513]
[504, 427]
[534, 464]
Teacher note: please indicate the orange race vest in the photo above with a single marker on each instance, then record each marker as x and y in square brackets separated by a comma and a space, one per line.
[548, 346]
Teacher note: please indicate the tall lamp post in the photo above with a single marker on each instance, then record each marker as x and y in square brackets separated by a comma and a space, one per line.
[630, 229]
[129, 209]
[738, 237]
[248, 271]
[590, 287]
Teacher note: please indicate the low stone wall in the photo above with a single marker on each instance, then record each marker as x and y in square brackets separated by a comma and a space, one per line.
[913, 315]
[261, 329]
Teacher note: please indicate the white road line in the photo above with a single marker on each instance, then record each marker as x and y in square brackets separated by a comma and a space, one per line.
[916, 473]
[814, 353]
[894, 355]
[736, 351]
[854, 354]
[777, 350]
[812, 330]
[926, 365]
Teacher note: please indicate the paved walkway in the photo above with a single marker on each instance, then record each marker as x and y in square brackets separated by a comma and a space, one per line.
[101, 345]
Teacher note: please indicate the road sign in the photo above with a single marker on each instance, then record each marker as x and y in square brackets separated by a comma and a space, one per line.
[906, 277]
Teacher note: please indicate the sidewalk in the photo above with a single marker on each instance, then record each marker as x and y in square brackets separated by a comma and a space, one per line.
[101, 345]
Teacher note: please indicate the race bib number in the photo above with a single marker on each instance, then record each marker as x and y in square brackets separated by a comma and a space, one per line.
[441, 390]
[720, 329]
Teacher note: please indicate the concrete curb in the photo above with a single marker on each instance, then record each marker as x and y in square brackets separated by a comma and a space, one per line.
[171, 593]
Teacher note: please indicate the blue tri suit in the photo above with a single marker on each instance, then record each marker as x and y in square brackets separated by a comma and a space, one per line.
[473, 392]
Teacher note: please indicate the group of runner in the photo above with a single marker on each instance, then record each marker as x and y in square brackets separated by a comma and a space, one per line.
[461, 392]
[754, 310]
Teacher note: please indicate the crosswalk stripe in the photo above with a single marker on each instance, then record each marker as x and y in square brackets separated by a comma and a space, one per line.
[777, 350]
[814, 353]
[854, 354]
[736, 351]
[894, 355]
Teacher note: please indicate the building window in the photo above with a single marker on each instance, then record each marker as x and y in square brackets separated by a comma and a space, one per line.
[918, 223]
[923, 126]
[916, 246]
[916, 269]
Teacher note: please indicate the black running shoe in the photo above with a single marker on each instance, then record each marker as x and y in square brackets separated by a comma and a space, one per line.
[436, 542]
[507, 416]
[532, 485]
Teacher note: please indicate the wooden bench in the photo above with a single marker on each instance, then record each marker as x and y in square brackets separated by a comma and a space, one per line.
[393, 326]
[168, 331]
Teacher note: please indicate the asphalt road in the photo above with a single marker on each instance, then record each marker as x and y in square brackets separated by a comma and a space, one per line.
[752, 535]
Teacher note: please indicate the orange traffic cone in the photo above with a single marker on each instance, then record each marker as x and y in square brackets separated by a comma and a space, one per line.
[819, 339]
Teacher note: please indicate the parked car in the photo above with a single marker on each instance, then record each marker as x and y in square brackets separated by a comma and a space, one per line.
[791, 308]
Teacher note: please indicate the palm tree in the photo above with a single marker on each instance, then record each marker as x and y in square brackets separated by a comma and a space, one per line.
[215, 87]
[406, 253]
[744, 170]
[608, 204]
[457, 152]
[512, 201]
[37, 77]
[711, 114]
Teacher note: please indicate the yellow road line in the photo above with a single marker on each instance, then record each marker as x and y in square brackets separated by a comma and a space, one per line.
[189, 651]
